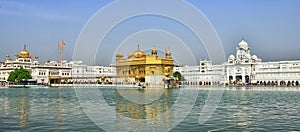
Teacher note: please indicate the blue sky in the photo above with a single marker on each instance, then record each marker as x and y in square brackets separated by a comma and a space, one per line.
[271, 27]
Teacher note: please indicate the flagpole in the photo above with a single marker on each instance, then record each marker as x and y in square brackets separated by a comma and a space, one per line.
[62, 48]
[62, 57]
[58, 52]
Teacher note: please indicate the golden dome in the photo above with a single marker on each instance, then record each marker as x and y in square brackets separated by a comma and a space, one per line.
[119, 55]
[138, 53]
[24, 53]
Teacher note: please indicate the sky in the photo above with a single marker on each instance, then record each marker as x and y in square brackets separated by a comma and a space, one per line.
[271, 28]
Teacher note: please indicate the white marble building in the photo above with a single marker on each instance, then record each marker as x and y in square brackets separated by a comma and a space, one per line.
[243, 68]
[204, 74]
[23, 59]
[239, 67]
[50, 72]
[82, 73]
[276, 73]
[55, 72]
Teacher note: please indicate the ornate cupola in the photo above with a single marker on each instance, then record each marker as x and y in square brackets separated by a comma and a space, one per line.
[138, 53]
[24, 53]
[168, 53]
[243, 52]
[119, 55]
[243, 44]
[154, 52]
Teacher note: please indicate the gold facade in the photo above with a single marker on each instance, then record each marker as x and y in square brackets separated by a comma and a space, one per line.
[139, 65]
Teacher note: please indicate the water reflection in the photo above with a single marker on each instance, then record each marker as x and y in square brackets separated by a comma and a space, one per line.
[60, 119]
[131, 109]
[145, 114]
[255, 109]
[18, 106]
[25, 109]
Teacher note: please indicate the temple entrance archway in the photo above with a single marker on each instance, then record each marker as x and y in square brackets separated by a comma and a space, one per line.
[247, 78]
[239, 78]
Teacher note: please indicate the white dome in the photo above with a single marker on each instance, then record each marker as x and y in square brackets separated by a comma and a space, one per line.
[231, 57]
[243, 44]
[254, 57]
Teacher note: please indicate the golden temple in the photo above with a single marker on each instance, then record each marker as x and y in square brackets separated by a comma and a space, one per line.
[146, 68]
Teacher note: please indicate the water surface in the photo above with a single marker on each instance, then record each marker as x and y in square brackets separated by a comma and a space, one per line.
[240, 109]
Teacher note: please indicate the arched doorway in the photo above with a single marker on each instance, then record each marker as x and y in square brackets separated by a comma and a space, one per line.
[289, 83]
[230, 79]
[282, 83]
[238, 78]
[247, 79]
[142, 79]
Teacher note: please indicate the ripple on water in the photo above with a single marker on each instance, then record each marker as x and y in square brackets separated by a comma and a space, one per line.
[252, 109]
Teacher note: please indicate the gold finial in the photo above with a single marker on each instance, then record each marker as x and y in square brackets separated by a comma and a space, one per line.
[17, 55]
[243, 38]
[25, 46]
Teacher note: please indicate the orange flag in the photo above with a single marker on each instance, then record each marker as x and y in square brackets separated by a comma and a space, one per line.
[63, 43]
[58, 45]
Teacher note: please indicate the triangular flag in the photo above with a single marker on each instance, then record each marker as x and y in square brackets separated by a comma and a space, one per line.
[58, 45]
[63, 43]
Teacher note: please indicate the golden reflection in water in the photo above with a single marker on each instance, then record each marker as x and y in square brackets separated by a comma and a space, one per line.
[156, 112]
[59, 114]
[23, 112]
[19, 107]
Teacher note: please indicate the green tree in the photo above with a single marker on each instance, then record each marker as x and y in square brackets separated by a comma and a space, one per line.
[177, 75]
[18, 75]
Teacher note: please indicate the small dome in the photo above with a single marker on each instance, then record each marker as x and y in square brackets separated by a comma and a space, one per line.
[231, 57]
[24, 53]
[243, 44]
[138, 53]
[168, 53]
[119, 55]
[254, 57]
